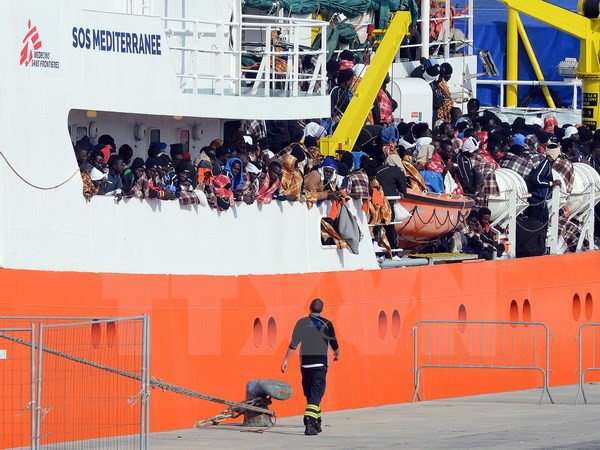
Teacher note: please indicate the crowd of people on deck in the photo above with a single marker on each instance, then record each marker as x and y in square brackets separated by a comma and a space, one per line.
[269, 161]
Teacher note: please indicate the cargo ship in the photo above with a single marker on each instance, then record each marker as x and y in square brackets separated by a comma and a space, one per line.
[223, 290]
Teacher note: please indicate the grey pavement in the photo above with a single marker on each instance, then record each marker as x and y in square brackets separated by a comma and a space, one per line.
[512, 420]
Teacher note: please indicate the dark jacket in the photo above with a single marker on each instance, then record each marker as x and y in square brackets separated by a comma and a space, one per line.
[539, 182]
[470, 178]
[392, 181]
[316, 334]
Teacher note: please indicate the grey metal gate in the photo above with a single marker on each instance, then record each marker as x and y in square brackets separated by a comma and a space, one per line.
[87, 382]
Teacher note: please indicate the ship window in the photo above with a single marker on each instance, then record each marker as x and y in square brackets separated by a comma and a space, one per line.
[154, 135]
[184, 138]
[77, 132]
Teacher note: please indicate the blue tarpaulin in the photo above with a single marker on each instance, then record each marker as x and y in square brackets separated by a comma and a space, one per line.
[550, 46]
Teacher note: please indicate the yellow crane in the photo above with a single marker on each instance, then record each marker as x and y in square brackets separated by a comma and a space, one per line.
[585, 26]
[352, 121]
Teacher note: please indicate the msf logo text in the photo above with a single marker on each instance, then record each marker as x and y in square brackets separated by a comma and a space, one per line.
[31, 43]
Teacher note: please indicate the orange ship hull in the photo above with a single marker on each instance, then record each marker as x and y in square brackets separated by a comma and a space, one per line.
[213, 334]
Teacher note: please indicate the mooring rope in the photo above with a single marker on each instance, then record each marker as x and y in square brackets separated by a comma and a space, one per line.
[154, 382]
[43, 188]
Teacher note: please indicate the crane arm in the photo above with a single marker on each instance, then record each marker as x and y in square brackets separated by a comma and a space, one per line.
[352, 121]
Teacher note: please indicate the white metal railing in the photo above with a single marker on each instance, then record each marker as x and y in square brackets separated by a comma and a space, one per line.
[445, 40]
[209, 55]
[139, 7]
[574, 83]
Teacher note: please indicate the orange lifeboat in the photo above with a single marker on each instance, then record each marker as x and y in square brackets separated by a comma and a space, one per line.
[432, 215]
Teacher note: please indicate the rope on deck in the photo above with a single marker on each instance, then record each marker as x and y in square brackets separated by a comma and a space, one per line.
[153, 382]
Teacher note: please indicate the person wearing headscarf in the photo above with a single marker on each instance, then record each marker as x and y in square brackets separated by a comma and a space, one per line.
[293, 174]
[321, 184]
[389, 138]
[249, 189]
[531, 149]
[269, 185]
[346, 60]
[315, 130]
[223, 193]
[550, 121]
[470, 178]
[233, 169]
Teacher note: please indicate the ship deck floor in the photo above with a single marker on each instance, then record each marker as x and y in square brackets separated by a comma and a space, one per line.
[491, 421]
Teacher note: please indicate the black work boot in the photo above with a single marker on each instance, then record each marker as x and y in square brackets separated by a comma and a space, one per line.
[318, 425]
[310, 426]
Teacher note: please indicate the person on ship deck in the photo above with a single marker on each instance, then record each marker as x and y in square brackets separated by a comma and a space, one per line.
[341, 95]
[113, 185]
[268, 188]
[293, 174]
[127, 176]
[320, 184]
[392, 179]
[470, 178]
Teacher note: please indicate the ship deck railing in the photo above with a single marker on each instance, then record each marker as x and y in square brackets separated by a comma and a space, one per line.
[574, 83]
[208, 56]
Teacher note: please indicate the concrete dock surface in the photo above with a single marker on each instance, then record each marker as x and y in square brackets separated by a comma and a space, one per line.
[512, 420]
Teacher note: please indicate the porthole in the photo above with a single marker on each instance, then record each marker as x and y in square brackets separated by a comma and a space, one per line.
[111, 334]
[271, 331]
[257, 332]
[462, 316]
[396, 324]
[514, 311]
[526, 311]
[589, 306]
[382, 323]
[576, 307]
[96, 334]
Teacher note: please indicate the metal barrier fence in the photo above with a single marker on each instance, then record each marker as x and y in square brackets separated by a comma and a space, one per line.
[86, 383]
[461, 344]
[17, 393]
[589, 358]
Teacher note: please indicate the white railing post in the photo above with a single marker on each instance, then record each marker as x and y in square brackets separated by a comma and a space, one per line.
[471, 27]
[237, 57]
[425, 18]
[295, 60]
[446, 29]
[512, 223]
[195, 58]
[553, 221]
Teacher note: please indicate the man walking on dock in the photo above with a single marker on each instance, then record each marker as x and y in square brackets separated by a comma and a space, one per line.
[316, 334]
